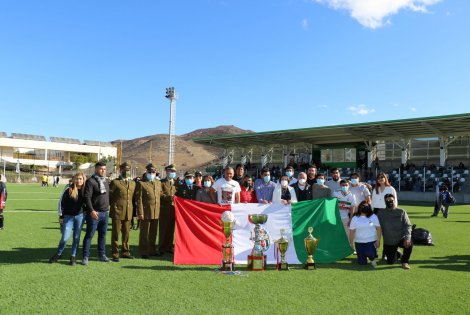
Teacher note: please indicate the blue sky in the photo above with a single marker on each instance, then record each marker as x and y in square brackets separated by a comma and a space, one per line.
[98, 69]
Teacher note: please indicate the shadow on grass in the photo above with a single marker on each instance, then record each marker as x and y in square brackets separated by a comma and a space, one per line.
[173, 268]
[450, 263]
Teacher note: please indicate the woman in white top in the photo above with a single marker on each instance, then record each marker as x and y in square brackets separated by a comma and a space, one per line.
[365, 231]
[381, 189]
[283, 193]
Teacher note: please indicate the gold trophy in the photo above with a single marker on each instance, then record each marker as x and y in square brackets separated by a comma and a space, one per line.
[227, 222]
[310, 243]
[282, 245]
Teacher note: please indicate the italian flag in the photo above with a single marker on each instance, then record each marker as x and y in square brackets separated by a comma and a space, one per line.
[199, 235]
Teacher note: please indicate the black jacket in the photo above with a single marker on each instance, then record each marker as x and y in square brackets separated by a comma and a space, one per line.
[71, 206]
[94, 199]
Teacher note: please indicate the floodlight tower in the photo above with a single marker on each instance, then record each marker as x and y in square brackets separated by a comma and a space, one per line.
[170, 94]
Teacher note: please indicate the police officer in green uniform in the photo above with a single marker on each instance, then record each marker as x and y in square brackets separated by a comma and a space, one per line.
[148, 193]
[121, 195]
[166, 228]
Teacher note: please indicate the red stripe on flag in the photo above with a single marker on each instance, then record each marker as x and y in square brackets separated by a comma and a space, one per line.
[199, 236]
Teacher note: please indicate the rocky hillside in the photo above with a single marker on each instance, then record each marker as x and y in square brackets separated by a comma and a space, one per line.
[188, 154]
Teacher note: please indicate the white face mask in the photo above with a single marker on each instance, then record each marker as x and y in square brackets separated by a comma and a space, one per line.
[284, 183]
[207, 183]
[302, 181]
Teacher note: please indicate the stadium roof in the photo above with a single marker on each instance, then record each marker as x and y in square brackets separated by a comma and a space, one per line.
[426, 127]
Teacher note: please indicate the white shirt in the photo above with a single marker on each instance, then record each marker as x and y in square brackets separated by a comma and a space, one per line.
[360, 192]
[345, 202]
[226, 190]
[365, 228]
[378, 201]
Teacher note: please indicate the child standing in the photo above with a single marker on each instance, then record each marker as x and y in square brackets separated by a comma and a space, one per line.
[445, 200]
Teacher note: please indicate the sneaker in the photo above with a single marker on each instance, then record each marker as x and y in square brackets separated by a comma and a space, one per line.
[354, 253]
[405, 266]
[85, 261]
[373, 263]
[54, 258]
[104, 259]
[73, 261]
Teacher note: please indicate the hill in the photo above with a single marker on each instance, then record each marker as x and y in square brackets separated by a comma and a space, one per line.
[188, 154]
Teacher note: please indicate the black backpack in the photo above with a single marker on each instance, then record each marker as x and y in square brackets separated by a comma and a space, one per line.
[421, 236]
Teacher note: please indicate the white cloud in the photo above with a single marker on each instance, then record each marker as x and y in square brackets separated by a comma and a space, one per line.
[413, 109]
[304, 24]
[322, 106]
[375, 13]
[360, 110]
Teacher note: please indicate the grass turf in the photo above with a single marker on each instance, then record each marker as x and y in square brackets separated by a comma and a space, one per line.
[437, 283]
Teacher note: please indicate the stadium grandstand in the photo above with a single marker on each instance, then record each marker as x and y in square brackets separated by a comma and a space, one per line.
[417, 153]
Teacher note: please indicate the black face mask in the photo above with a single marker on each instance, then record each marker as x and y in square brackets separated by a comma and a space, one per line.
[246, 184]
[390, 204]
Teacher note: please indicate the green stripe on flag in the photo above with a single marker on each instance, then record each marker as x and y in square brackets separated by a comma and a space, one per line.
[323, 215]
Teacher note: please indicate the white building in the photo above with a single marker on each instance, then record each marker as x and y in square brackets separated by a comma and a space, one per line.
[36, 150]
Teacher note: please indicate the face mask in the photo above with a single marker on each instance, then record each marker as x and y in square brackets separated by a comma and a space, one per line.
[320, 181]
[289, 174]
[172, 175]
[390, 204]
[150, 176]
[246, 184]
[283, 183]
[354, 181]
[267, 178]
[188, 181]
[302, 181]
[207, 183]
[344, 188]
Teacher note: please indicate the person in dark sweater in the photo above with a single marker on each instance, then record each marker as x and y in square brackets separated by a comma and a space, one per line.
[303, 190]
[396, 231]
[97, 203]
[71, 217]
[3, 199]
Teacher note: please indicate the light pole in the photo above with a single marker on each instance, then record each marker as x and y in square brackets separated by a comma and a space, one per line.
[170, 94]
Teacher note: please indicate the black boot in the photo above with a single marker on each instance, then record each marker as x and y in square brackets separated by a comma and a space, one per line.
[73, 261]
[54, 258]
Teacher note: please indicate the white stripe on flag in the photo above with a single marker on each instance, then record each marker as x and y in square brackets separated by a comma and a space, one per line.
[279, 217]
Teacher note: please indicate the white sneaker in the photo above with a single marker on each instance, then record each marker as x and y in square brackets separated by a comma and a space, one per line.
[373, 263]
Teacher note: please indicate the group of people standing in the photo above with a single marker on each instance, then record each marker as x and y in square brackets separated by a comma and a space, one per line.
[368, 214]
[95, 200]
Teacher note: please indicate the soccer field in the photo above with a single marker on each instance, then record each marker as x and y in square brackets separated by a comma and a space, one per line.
[438, 282]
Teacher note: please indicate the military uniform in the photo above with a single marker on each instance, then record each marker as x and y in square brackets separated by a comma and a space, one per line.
[121, 196]
[167, 215]
[148, 195]
[184, 191]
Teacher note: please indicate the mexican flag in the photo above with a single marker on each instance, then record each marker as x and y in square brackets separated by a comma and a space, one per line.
[199, 235]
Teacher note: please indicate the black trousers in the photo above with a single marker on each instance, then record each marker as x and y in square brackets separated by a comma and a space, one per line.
[391, 250]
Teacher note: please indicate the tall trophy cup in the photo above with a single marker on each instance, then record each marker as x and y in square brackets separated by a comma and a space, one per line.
[227, 222]
[257, 259]
[282, 245]
[310, 243]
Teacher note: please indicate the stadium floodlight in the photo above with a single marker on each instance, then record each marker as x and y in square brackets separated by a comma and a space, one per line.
[171, 95]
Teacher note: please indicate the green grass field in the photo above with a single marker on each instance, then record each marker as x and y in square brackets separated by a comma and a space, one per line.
[438, 283]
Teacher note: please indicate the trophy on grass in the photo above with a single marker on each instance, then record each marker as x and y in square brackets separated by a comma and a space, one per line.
[282, 245]
[257, 259]
[227, 221]
[310, 243]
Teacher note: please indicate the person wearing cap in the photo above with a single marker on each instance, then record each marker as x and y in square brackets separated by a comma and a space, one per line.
[396, 231]
[166, 224]
[187, 189]
[96, 198]
[198, 179]
[148, 193]
[121, 195]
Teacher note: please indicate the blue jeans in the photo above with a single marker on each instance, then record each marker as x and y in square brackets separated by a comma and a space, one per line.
[364, 251]
[74, 223]
[91, 226]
